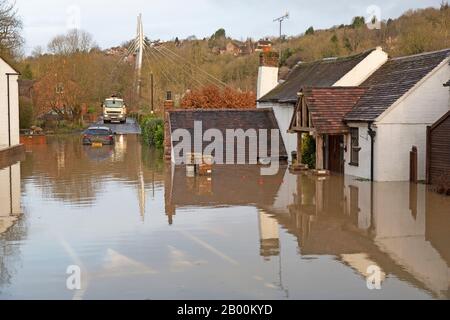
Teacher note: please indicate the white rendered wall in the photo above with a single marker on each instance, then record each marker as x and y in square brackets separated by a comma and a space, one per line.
[362, 71]
[283, 113]
[14, 106]
[363, 169]
[404, 126]
[267, 80]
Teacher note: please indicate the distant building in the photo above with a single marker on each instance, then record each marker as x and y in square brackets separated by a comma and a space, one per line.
[234, 48]
[263, 46]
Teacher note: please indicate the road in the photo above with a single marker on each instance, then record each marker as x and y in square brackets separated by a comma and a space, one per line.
[131, 127]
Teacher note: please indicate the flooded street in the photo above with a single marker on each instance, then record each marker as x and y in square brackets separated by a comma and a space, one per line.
[140, 229]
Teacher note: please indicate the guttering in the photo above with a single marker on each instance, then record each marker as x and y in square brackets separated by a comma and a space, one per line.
[372, 135]
[9, 104]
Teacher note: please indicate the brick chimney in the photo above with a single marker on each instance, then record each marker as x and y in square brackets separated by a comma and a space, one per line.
[168, 106]
[267, 73]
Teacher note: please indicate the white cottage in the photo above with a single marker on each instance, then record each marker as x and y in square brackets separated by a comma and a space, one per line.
[338, 72]
[403, 97]
[9, 106]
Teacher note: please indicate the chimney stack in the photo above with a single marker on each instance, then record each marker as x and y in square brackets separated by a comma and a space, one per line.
[267, 73]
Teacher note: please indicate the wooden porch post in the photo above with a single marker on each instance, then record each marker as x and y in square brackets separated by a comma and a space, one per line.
[319, 152]
[299, 148]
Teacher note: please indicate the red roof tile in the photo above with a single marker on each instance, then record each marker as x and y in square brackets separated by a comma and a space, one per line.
[328, 106]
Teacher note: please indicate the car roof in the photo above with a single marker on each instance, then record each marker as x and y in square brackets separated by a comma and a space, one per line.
[98, 128]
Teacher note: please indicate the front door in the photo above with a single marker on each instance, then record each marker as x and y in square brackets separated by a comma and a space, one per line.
[336, 154]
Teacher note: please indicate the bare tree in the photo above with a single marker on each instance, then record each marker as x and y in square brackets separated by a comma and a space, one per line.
[11, 39]
[73, 42]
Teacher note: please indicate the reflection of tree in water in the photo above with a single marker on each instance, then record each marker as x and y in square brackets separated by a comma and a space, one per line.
[9, 251]
[65, 169]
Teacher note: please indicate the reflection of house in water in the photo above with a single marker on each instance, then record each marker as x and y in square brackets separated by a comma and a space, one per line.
[228, 186]
[397, 226]
[269, 235]
[10, 194]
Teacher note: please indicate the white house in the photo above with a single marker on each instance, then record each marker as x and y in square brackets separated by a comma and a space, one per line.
[403, 97]
[9, 106]
[339, 72]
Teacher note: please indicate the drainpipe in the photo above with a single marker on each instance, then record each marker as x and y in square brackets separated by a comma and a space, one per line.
[9, 104]
[372, 135]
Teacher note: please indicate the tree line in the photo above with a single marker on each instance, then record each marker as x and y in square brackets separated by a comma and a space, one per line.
[72, 73]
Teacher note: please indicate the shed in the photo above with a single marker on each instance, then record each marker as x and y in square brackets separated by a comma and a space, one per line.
[438, 152]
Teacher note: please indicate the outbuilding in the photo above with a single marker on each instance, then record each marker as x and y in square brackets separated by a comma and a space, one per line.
[438, 153]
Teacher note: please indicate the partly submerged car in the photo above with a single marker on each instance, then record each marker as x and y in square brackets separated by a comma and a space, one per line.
[98, 136]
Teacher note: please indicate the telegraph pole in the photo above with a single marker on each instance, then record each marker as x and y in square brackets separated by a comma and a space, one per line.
[152, 103]
[281, 20]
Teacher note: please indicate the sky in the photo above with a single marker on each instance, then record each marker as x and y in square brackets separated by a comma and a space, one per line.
[113, 22]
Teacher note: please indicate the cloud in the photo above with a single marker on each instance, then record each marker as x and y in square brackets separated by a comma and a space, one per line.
[111, 23]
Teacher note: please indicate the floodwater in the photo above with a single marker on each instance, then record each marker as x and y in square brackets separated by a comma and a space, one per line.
[140, 229]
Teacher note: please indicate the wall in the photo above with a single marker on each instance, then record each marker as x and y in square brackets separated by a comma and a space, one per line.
[267, 80]
[14, 106]
[364, 69]
[404, 126]
[283, 114]
[440, 154]
[363, 169]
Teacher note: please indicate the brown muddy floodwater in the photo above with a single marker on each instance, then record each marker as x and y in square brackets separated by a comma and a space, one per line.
[140, 229]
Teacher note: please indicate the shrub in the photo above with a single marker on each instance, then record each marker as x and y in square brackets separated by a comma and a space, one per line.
[152, 131]
[25, 114]
[309, 151]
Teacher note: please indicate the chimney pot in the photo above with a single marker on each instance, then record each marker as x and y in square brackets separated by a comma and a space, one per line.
[269, 59]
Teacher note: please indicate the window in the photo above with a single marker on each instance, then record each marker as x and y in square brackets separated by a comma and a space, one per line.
[355, 149]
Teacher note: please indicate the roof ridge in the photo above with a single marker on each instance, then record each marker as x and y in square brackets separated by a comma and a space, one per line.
[220, 109]
[334, 59]
[420, 54]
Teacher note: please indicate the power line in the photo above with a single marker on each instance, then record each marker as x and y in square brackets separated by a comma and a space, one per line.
[183, 68]
[198, 68]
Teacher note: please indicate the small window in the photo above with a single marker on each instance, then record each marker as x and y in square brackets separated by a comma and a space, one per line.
[355, 149]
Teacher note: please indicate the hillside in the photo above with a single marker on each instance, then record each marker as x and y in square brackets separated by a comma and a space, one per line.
[232, 62]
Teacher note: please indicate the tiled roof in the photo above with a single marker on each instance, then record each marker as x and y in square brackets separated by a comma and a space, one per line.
[223, 119]
[322, 73]
[393, 80]
[328, 106]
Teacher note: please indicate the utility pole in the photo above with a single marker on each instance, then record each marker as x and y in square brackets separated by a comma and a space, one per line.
[152, 103]
[281, 20]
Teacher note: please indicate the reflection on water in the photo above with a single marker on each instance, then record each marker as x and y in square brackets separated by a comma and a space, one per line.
[139, 228]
